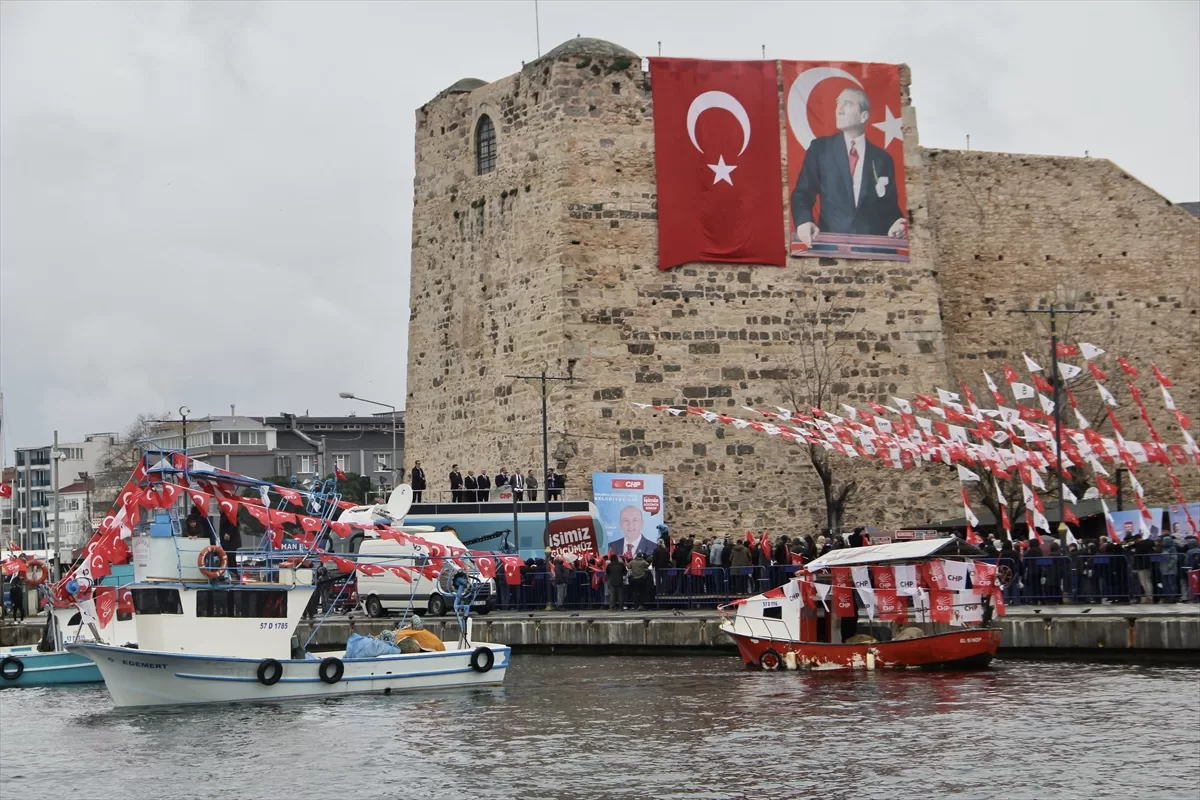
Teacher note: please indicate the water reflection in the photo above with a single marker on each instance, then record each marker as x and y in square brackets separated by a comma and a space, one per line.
[617, 727]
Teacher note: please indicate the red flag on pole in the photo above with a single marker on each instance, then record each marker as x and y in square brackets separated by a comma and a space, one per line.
[717, 157]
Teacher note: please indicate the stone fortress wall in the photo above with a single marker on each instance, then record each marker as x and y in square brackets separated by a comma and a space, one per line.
[550, 262]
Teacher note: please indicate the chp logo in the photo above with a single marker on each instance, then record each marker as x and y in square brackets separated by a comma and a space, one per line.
[625, 483]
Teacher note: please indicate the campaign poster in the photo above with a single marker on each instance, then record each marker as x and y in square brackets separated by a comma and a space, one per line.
[1126, 523]
[845, 160]
[1179, 521]
[630, 509]
[572, 538]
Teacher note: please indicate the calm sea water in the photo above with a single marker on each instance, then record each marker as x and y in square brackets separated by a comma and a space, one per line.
[632, 727]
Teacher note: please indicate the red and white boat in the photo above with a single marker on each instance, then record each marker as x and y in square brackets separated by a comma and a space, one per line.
[915, 596]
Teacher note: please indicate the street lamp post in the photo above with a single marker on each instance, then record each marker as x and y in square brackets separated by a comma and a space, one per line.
[55, 456]
[352, 396]
[543, 377]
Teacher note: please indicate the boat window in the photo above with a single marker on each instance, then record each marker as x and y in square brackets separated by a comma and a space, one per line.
[157, 601]
[241, 603]
[75, 619]
[773, 613]
[124, 616]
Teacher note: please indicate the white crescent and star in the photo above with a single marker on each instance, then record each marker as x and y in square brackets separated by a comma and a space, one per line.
[801, 91]
[726, 102]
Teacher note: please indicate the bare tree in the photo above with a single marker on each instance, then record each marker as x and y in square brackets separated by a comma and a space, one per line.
[119, 458]
[821, 353]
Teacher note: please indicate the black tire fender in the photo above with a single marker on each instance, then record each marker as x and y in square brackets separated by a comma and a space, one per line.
[331, 670]
[770, 660]
[269, 672]
[483, 659]
[13, 675]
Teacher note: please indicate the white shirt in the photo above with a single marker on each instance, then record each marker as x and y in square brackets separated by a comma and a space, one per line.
[860, 146]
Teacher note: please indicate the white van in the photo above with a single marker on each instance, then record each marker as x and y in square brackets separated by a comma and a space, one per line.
[382, 594]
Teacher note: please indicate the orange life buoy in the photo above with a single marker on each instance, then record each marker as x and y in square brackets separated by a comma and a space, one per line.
[42, 573]
[202, 561]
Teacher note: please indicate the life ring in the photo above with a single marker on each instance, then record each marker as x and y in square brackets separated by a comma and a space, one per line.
[269, 672]
[770, 660]
[4, 665]
[482, 659]
[331, 670]
[42, 573]
[211, 572]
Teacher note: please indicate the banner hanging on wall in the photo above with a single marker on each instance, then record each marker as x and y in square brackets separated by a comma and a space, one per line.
[845, 160]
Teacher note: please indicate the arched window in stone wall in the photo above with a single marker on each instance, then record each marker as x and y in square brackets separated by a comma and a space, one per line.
[485, 146]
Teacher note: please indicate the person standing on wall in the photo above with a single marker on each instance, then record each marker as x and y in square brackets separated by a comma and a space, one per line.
[469, 487]
[518, 486]
[484, 487]
[418, 482]
[456, 484]
[531, 483]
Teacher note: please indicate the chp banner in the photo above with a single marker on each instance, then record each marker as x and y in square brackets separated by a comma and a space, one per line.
[716, 156]
[1179, 520]
[845, 160]
[572, 537]
[1128, 522]
[630, 509]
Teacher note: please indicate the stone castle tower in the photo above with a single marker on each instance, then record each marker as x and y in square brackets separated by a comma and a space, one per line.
[534, 247]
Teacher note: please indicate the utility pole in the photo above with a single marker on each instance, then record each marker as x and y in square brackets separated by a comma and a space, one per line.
[1054, 310]
[183, 412]
[54, 454]
[543, 377]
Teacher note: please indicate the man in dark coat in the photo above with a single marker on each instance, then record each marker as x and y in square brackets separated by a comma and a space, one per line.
[484, 486]
[615, 572]
[469, 487]
[418, 482]
[456, 484]
[231, 542]
[854, 179]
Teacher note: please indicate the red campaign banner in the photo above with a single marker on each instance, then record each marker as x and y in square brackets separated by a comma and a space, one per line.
[883, 577]
[941, 605]
[890, 606]
[716, 157]
[845, 160]
[843, 601]
[575, 534]
[106, 603]
[808, 594]
[841, 577]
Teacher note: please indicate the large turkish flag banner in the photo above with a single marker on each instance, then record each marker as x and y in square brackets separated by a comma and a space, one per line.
[845, 160]
[717, 156]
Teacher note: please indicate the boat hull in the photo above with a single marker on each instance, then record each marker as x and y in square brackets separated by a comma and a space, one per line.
[45, 669]
[971, 648]
[155, 678]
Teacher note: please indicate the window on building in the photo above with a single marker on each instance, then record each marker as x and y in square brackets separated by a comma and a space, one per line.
[283, 465]
[352, 427]
[485, 146]
[322, 427]
[68, 505]
[157, 601]
[341, 460]
[239, 437]
[306, 465]
[381, 462]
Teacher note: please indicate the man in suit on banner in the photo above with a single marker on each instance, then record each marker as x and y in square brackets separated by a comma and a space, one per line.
[854, 179]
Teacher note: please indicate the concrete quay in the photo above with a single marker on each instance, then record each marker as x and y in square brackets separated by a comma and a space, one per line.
[1108, 632]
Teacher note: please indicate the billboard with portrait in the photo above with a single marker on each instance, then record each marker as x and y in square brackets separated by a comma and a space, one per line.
[630, 507]
[1180, 527]
[1126, 523]
[845, 160]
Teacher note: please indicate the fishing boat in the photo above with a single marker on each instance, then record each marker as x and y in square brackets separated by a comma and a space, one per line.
[214, 631]
[929, 604]
[48, 663]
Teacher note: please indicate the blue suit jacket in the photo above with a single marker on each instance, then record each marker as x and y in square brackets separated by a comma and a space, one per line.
[826, 174]
[617, 546]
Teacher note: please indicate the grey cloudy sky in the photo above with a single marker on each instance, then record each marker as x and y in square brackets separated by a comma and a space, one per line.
[209, 203]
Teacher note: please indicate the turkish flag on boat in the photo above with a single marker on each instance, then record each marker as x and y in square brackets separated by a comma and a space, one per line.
[716, 157]
[291, 495]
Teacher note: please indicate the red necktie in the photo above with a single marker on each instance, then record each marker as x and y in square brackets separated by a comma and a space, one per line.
[628, 550]
[853, 158]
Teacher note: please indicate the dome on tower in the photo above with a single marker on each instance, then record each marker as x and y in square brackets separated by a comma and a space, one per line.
[464, 86]
[585, 46]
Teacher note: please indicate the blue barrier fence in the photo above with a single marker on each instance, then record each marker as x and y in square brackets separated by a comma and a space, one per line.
[1040, 581]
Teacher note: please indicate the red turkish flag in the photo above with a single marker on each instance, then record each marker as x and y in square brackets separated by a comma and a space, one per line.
[370, 569]
[342, 529]
[1161, 378]
[258, 512]
[281, 517]
[486, 565]
[843, 601]
[106, 603]
[941, 605]
[1069, 516]
[716, 145]
[796, 558]
[337, 473]
[125, 602]
[512, 569]
[230, 509]
[400, 572]
[1010, 374]
[697, 565]
[5, 490]
[310, 524]
[1096, 372]
[200, 499]
[1127, 368]
[1067, 350]
[1105, 487]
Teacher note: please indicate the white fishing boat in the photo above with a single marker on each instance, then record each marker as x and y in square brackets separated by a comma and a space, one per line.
[208, 635]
